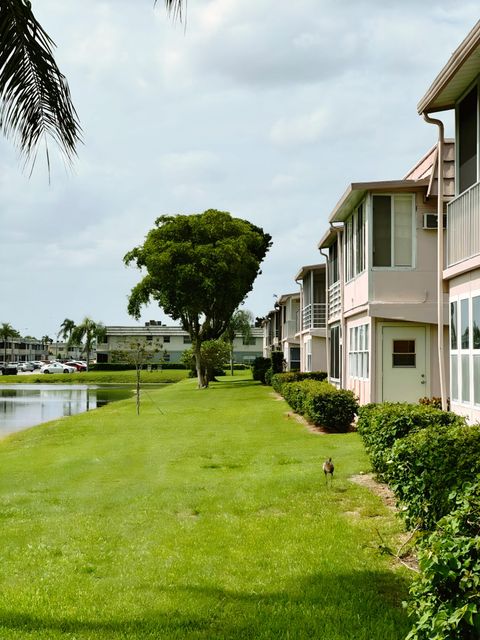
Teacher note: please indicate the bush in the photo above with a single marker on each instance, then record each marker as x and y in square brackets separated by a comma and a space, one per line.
[427, 465]
[322, 403]
[259, 368]
[268, 376]
[277, 361]
[279, 379]
[380, 425]
[444, 598]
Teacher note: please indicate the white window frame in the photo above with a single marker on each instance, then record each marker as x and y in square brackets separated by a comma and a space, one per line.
[476, 83]
[352, 241]
[359, 351]
[392, 233]
[461, 352]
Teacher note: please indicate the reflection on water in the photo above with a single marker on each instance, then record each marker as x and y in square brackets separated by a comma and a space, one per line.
[25, 405]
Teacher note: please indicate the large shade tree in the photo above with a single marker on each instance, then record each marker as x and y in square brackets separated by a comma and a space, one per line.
[199, 268]
[35, 100]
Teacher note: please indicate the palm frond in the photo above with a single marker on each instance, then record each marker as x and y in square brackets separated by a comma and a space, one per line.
[176, 8]
[35, 101]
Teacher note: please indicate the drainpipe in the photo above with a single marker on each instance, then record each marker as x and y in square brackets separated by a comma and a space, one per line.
[440, 198]
[339, 232]
[327, 336]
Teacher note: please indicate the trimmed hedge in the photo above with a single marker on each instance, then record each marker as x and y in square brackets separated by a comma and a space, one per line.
[279, 379]
[426, 466]
[444, 598]
[381, 425]
[322, 403]
[259, 368]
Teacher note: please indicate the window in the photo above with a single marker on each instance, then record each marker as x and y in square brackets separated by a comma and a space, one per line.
[187, 340]
[166, 338]
[355, 244]
[358, 352]
[335, 353]
[392, 233]
[465, 350]
[403, 354]
[250, 340]
[453, 325]
[467, 140]
[333, 264]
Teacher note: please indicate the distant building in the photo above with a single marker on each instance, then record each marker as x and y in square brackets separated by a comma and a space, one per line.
[170, 342]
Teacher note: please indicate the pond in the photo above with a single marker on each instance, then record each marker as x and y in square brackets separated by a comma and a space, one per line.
[25, 405]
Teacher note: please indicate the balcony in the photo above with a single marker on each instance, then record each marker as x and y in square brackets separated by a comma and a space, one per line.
[290, 328]
[463, 226]
[315, 316]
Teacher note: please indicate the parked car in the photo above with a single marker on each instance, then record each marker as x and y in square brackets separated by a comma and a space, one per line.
[57, 367]
[38, 364]
[79, 366]
[26, 366]
[8, 369]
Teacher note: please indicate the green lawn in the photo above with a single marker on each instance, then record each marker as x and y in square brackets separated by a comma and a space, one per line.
[206, 517]
[98, 377]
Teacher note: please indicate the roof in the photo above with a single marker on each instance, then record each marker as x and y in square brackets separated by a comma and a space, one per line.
[426, 167]
[286, 296]
[328, 238]
[310, 267]
[357, 190]
[454, 79]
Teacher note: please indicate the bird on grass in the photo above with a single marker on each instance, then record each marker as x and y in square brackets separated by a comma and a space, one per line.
[328, 469]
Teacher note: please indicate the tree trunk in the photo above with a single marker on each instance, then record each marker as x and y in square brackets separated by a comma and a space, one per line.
[231, 358]
[201, 377]
[138, 389]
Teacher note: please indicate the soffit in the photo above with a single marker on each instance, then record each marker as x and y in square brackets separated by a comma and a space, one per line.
[454, 79]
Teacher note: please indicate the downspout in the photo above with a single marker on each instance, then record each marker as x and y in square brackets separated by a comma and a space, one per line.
[339, 233]
[327, 335]
[440, 199]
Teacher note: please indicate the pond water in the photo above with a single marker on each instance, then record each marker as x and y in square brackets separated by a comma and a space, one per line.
[25, 405]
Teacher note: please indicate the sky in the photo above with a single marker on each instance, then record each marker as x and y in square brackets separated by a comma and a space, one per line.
[264, 108]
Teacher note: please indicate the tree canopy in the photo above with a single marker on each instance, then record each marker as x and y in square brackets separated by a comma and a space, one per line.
[200, 267]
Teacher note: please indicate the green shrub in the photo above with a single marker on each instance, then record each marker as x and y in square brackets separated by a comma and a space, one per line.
[259, 368]
[295, 394]
[445, 597]
[268, 376]
[277, 361]
[427, 465]
[329, 407]
[322, 403]
[381, 425]
[279, 379]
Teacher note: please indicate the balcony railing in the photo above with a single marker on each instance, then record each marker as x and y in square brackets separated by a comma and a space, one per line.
[334, 300]
[464, 226]
[315, 316]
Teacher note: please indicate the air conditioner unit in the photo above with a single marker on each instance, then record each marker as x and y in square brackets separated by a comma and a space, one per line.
[430, 221]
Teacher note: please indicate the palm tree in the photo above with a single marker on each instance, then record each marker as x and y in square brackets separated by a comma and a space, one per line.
[87, 333]
[240, 324]
[7, 332]
[66, 329]
[47, 341]
[35, 101]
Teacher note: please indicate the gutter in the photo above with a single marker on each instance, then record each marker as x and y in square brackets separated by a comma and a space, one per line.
[440, 199]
